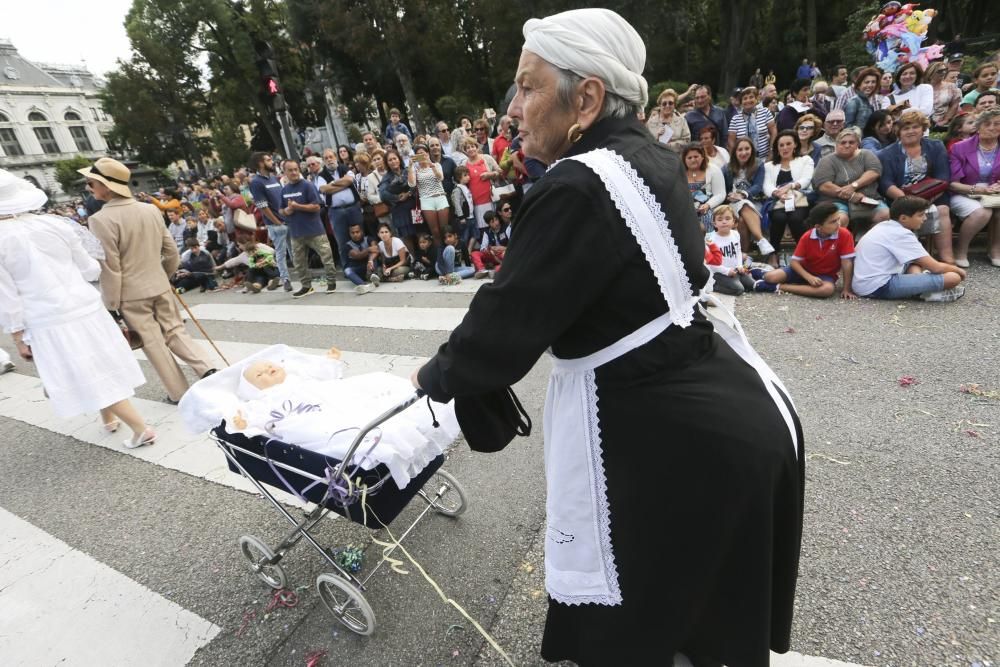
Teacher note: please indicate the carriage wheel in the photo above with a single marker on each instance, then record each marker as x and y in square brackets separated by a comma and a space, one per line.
[257, 554]
[453, 501]
[346, 603]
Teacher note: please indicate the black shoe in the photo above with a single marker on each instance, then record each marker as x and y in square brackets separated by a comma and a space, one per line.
[210, 371]
[7, 367]
[305, 291]
[170, 401]
[331, 287]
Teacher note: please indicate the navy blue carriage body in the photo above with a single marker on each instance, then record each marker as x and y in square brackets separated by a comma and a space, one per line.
[385, 501]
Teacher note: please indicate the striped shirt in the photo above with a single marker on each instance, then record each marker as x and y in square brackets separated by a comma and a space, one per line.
[754, 126]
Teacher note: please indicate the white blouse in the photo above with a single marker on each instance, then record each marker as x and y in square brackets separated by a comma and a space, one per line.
[44, 273]
[920, 97]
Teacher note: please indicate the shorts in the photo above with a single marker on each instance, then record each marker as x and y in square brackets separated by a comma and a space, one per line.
[438, 203]
[962, 206]
[843, 208]
[905, 285]
[793, 278]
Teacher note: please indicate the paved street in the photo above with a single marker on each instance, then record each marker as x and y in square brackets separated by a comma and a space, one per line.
[115, 557]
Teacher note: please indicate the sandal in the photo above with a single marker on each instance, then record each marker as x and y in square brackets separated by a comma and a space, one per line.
[148, 437]
[112, 425]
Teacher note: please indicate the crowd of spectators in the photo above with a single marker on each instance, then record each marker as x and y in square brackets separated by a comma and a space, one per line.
[770, 170]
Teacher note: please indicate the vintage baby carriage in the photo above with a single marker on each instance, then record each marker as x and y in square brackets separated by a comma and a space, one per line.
[367, 495]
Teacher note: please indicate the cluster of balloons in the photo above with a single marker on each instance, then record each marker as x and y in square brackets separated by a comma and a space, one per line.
[894, 37]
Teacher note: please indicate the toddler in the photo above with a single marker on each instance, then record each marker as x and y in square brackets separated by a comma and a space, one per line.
[731, 277]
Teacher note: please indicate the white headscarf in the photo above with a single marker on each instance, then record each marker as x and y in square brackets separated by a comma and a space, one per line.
[592, 42]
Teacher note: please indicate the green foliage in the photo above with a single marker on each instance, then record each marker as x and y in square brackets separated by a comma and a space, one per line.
[655, 89]
[66, 171]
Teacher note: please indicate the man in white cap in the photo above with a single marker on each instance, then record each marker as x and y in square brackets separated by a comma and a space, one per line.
[140, 255]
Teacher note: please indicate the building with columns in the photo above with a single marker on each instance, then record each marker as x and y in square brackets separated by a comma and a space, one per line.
[47, 113]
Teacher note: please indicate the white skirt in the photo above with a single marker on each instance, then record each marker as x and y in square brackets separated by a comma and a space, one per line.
[84, 364]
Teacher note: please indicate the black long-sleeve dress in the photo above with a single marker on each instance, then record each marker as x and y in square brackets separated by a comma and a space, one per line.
[705, 513]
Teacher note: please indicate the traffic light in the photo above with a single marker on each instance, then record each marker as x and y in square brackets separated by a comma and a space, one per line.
[267, 68]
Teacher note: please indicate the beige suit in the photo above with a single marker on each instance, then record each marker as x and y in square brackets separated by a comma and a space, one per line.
[140, 255]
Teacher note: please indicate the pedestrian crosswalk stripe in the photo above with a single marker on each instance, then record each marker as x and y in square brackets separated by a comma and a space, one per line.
[793, 659]
[391, 317]
[80, 600]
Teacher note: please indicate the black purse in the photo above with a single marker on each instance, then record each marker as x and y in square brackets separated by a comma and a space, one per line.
[490, 421]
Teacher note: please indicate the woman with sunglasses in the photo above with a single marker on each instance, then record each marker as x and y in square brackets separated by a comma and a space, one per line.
[808, 128]
[666, 125]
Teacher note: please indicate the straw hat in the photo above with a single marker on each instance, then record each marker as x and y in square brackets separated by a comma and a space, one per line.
[112, 173]
[18, 195]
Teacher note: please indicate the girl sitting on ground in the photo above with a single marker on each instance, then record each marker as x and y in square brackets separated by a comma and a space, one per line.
[393, 254]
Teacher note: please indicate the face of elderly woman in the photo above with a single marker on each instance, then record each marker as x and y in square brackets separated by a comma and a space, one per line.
[543, 122]
[847, 146]
[910, 134]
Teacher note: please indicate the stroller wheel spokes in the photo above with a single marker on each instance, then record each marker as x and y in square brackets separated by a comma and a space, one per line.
[452, 501]
[346, 603]
[258, 554]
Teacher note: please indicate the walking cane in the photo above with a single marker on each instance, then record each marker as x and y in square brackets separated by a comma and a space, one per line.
[202, 329]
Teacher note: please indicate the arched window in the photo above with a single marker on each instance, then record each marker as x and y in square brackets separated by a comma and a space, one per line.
[46, 139]
[8, 138]
[72, 115]
[4, 118]
[78, 132]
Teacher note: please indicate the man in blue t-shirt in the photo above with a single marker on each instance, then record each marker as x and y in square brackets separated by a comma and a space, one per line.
[266, 191]
[300, 207]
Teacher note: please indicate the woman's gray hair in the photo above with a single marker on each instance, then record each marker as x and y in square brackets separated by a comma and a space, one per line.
[853, 131]
[614, 105]
[457, 137]
[987, 116]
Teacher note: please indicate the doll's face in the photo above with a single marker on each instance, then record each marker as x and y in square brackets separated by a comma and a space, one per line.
[264, 374]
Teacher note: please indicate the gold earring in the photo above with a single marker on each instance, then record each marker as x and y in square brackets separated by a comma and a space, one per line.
[575, 133]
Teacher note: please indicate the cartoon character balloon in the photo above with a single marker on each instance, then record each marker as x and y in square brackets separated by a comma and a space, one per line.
[895, 35]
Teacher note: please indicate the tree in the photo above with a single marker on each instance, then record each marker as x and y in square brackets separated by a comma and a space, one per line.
[66, 171]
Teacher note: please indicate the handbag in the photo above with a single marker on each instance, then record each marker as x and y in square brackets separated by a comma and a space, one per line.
[416, 216]
[989, 201]
[380, 209]
[926, 188]
[491, 421]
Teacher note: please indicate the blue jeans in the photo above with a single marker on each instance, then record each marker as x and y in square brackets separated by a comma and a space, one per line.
[904, 285]
[341, 220]
[446, 264]
[279, 238]
[356, 276]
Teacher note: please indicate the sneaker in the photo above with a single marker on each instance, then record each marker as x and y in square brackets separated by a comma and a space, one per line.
[305, 291]
[364, 289]
[765, 247]
[7, 367]
[376, 280]
[180, 290]
[210, 371]
[331, 287]
[492, 274]
[256, 288]
[288, 285]
[481, 274]
[148, 437]
[408, 276]
[962, 263]
[273, 284]
[424, 276]
[757, 274]
[764, 286]
[953, 294]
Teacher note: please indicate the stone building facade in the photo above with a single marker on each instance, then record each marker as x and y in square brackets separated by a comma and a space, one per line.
[47, 113]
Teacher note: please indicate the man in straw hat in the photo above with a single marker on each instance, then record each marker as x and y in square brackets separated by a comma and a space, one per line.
[140, 254]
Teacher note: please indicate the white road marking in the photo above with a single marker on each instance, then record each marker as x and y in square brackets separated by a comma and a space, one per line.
[400, 318]
[793, 659]
[59, 604]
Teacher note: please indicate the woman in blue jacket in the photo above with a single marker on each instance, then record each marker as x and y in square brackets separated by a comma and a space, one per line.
[915, 158]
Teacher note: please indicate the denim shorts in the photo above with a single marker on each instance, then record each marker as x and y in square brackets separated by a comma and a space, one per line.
[793, 278]
[844, 208]
[905, 285]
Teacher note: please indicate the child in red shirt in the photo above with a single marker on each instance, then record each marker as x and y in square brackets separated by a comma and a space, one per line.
[820, 255]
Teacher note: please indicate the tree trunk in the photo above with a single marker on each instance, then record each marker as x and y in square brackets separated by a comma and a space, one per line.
[736, 22]
[811, 30]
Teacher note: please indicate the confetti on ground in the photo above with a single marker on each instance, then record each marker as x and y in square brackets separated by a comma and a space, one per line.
[789, 330]
[820, 455]
[977, 390]
[315, 658]
[907, 381]
[972, 434]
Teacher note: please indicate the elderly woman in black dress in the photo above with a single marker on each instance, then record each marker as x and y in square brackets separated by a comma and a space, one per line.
[670, 532]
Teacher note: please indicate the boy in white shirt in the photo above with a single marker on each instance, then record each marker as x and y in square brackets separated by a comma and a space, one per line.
[731, 277]
[891, 263]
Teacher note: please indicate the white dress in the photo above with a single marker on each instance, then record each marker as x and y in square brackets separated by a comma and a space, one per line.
[81, 356]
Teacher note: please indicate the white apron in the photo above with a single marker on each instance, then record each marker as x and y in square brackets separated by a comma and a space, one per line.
[579, 558]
